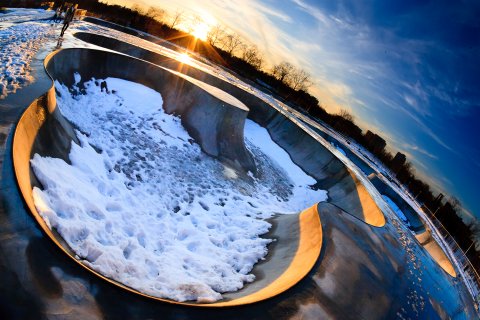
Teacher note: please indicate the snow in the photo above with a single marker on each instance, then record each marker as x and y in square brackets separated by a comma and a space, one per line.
[22, 42]
[339, 149]
[396, 210]
[259, 136]
[18, 15]
[141, 204]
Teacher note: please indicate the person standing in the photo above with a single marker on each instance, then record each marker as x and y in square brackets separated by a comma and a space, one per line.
[55, 17]
[58, 14]
[68, 18]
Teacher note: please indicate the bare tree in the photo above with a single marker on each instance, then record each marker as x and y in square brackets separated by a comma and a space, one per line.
[406, 174]
[138, 8]
[299, 80]
[252, 56]
[215, 35]
[136, 19]
[282, 71]
[231, 43]
[177, 18]
[194, 23]
[153, 15]
[474, 226]
[455, 203]
[346, 115]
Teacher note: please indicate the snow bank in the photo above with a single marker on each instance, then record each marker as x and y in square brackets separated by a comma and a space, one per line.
[140, 203]
[18, 15]
[20, 43]
[302, 195]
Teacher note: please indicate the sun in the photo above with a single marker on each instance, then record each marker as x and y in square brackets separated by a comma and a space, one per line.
[200, 31]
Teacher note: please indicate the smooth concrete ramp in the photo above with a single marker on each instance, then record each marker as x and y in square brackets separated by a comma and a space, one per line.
[417, 225]
[436, 252]
[43, 130]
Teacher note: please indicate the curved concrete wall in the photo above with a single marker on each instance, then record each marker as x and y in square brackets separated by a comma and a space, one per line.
[422, 233]
[416, 224]
[216, 125]
[130, 31]
[344, 189]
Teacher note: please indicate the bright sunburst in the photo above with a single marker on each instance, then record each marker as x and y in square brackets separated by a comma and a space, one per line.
[184, 58]
[201, 31]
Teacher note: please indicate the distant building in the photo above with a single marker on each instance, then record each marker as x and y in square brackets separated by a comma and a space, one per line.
[375, 143]
[398, 161]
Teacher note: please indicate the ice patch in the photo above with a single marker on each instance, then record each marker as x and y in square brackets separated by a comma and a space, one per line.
[143, 205]
[396, 210]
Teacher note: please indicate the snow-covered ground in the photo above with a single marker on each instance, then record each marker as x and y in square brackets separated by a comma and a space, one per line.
[141, 204]
[18, 15]
[20, 43]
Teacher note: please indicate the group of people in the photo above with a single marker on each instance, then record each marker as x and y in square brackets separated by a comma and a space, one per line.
[65, 13]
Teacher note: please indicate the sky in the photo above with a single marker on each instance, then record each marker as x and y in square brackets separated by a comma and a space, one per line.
[407, 70]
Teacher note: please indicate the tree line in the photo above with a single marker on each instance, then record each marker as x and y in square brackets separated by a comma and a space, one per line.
[286, 82]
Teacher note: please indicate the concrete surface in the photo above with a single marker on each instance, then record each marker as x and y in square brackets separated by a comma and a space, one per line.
[422, 233]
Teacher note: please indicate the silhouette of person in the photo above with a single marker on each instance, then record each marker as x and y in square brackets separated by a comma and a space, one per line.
[68, 18]
[103, 85]
[56, 16]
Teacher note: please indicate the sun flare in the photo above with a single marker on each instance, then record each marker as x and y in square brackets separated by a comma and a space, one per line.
[200, 31]
[184, 58]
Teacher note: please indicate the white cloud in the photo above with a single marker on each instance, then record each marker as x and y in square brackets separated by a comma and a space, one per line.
[423, 151]
[315, 13]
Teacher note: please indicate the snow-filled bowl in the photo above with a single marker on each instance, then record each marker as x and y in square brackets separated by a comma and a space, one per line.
[175, 208]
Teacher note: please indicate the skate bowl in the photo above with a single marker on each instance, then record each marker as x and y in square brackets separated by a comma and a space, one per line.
[359, 162]
[416, 223]
[43, 130]
[216, 121]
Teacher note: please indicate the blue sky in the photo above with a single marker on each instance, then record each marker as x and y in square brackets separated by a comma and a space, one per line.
[408, 70]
